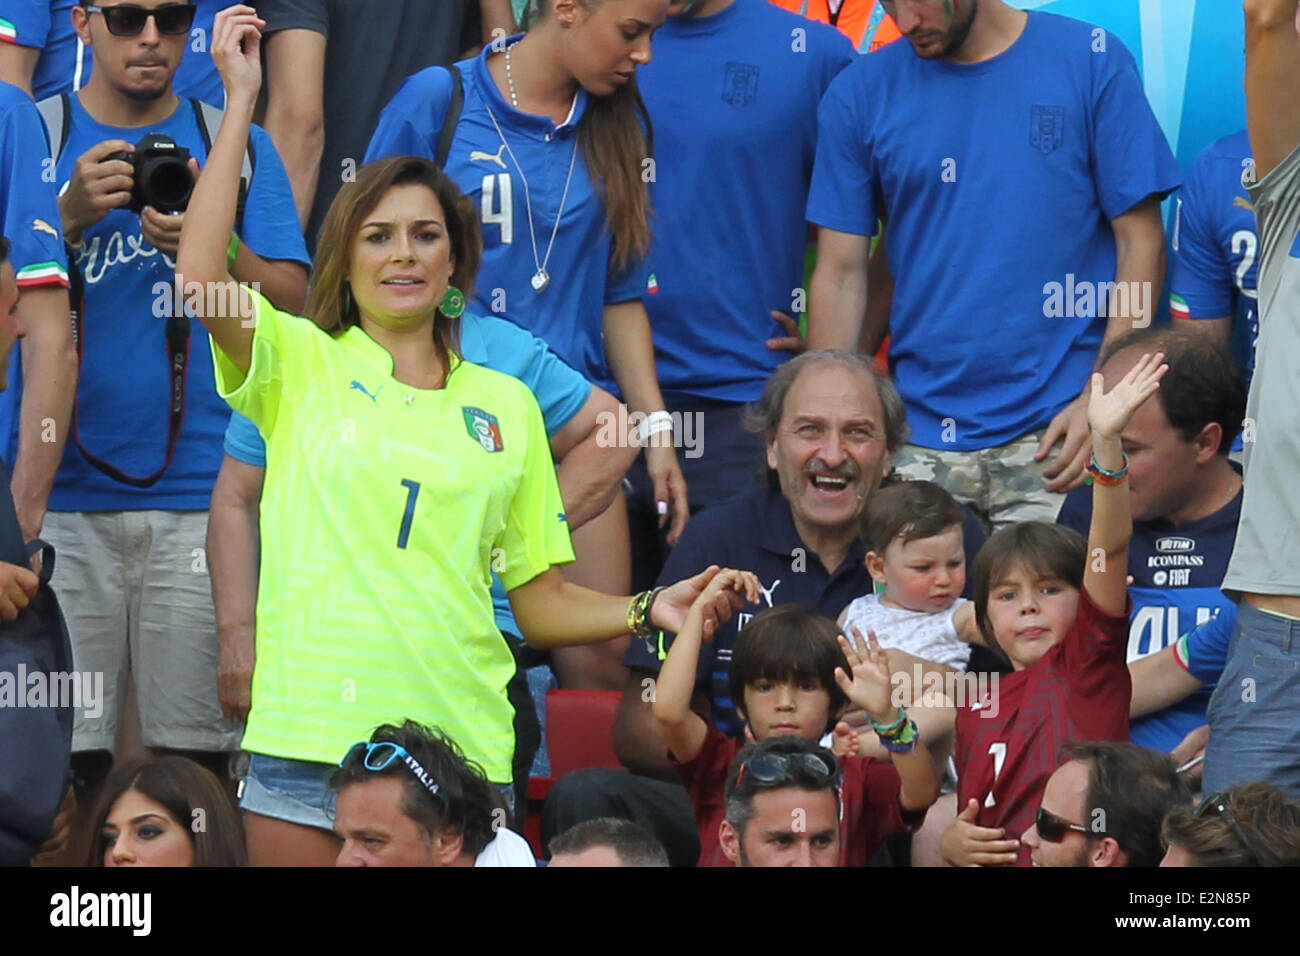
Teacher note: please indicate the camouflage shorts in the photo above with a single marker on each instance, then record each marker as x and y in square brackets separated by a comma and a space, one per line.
[1002, 485]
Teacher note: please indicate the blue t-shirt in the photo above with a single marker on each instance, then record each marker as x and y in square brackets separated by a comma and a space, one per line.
[64, 64]
[499, 345]
[755, 531]
[1177, 571]
[1216, 245]
[569, 313]
[29, 218]
[1203, 651]
[734, 102]
[999, 181]
[124, 388]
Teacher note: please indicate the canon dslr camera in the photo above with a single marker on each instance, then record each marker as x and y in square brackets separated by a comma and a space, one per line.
[162, 174]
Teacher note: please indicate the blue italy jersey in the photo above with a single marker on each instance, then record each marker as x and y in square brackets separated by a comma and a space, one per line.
[733, 98]
[46, 25]
[1177, 571]
[124, 388]
[29, 218]
[499, 345]
[1216, 246]
[568, 313]
[998, 181]
[65, 64]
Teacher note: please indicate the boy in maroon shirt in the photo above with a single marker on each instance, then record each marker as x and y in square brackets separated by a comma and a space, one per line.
[793, 674]
[1057, 608]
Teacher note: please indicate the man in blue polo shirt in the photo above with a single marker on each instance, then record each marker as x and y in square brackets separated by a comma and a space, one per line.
[1216, 251]
[1186, 500]
[588, 472]
[128, 513]
[1019, 169]
[739, 75]
[831, 425]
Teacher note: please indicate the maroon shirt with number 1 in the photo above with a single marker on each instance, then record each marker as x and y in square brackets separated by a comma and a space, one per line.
[1007, 747]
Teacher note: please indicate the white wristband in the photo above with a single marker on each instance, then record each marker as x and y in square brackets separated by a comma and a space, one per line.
[653, 424]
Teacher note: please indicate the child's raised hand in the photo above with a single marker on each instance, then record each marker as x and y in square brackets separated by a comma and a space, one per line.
[844, 741]
[869, 686]
[723, 596]
[1109, 412]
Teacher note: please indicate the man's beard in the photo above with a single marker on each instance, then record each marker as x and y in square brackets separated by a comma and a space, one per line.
[144, 96]
[955, 36]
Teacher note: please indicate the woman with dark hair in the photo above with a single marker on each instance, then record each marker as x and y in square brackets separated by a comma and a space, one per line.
[165, 811]
[551, 145]
[398, 476]
[1251, 824]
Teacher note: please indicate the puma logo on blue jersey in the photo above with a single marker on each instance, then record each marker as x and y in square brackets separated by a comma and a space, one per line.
[363, 390]
[475, 155]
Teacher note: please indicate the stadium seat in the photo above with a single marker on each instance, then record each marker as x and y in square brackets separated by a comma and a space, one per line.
[579, 734]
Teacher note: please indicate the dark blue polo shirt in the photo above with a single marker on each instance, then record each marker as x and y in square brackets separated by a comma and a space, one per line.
[755, 531]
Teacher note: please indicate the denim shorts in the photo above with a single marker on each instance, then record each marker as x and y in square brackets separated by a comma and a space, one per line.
[289, 790]
[295, 791]
[1254, 714]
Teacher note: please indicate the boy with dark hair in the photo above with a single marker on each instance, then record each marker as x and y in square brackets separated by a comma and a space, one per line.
[918, 562]
[788, 679]
[1060, 615]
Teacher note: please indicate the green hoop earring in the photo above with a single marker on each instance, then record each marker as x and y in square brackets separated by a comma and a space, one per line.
[453, 303]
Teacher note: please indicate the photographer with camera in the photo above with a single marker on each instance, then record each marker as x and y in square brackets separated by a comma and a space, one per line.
[128, 513]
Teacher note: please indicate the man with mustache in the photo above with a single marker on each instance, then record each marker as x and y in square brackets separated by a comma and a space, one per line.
[831, 424]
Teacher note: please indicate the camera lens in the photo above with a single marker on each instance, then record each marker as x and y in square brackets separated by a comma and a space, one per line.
[165, 183]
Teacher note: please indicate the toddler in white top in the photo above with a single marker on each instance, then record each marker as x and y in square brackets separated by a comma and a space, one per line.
[914, 531]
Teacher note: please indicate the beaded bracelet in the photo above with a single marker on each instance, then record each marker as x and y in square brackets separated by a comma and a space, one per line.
[885, 730]
[904, 741]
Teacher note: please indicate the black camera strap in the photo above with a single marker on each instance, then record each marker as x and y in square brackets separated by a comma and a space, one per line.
[178, 361]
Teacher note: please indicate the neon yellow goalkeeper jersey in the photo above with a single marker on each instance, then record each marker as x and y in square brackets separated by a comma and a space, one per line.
[384, 509]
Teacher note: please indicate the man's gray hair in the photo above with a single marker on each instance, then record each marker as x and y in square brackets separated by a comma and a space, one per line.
[763, 416]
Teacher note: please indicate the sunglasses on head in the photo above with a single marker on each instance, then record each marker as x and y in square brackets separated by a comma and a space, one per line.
[1053, 828]
[128, 20]
[380, 755]
[1216, 805]
[771, 768]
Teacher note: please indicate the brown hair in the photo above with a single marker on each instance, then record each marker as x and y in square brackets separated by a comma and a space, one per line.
[615, 146]
[789, 642]
[1263, 814]
[189, 792]
[330, 304]
[910, 511]
[1050, 550]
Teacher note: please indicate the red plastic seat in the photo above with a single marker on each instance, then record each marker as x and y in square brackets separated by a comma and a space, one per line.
[579, 734]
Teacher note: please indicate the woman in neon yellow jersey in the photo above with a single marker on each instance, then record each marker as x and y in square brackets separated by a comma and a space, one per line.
[397, 476]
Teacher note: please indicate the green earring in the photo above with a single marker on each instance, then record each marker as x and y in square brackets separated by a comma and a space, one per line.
[453, 303]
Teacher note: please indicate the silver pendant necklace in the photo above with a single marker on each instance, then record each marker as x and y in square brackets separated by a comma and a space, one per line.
[541, 278]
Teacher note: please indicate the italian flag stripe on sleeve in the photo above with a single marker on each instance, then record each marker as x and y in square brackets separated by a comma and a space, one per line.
[42, 273]
[7, 31]
[1178, 307]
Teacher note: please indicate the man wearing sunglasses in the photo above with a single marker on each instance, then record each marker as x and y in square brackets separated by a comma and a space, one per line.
[1104, 805]
[783, 805]
[128, 512]
[407, 797]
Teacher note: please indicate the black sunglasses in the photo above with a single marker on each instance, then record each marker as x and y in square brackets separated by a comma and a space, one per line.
[1053, 828]
[128, 20]
[770, 768]
[1217, 802]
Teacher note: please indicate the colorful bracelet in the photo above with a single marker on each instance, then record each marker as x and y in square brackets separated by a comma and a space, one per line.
[904, 741]
[1105, 477]
[886, 730]
[638, 613]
